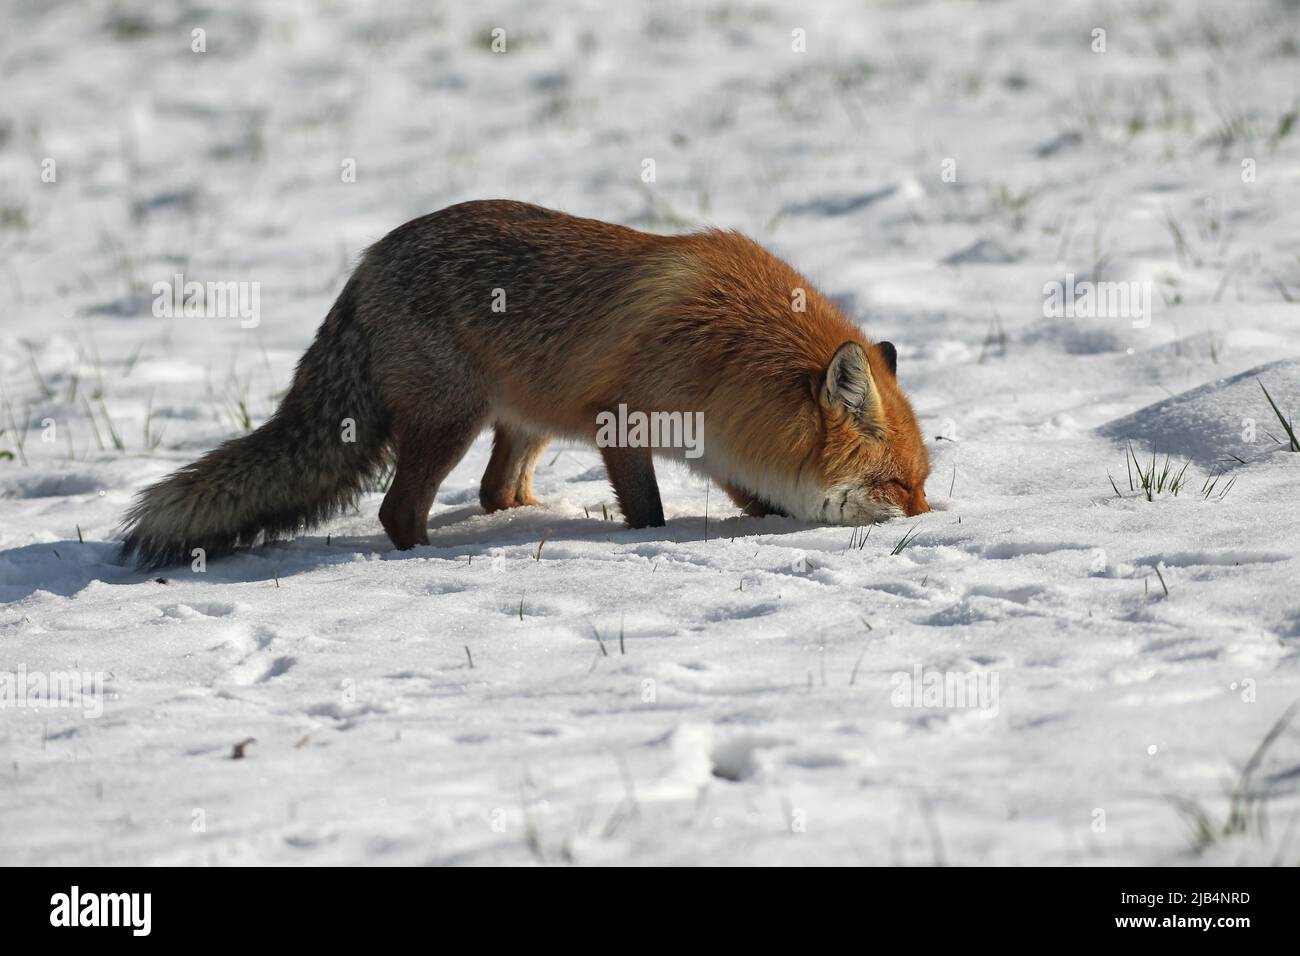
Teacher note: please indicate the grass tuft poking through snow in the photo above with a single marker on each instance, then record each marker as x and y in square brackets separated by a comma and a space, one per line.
[908, 537]
[1151, 479]
[1294, 444]
[1247, 801]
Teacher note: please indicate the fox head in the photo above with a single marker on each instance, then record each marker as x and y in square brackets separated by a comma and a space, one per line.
[873, 459]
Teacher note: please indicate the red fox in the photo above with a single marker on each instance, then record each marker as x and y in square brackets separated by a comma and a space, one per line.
[540, 323]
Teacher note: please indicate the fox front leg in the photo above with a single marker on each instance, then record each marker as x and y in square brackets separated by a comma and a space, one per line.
[632, 473]
[751, 504]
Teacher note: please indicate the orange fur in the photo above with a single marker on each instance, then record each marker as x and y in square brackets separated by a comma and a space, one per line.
[705, 322]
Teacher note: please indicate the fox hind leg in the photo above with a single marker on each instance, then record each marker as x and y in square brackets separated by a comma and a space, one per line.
[508, 480]
[426, 452]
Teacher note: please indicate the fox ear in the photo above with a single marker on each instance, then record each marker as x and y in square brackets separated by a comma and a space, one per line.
[890, 355]
[850, 387]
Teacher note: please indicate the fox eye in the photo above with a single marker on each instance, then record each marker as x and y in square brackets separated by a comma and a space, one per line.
[905, 488]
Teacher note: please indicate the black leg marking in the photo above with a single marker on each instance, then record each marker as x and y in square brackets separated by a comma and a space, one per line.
[632, 473]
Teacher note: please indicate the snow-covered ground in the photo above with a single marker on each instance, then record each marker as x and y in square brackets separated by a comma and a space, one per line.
[720, 690]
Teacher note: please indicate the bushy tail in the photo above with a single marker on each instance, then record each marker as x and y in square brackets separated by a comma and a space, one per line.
[299, 468]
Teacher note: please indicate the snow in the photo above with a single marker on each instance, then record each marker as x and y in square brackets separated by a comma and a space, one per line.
[1219, 422]
[722, 690]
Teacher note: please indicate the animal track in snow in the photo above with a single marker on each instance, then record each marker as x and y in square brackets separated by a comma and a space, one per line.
[1191, 559]
[195, 609]
[1005, 550]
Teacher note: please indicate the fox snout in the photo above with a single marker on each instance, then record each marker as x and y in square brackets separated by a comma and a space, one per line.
[916, 504]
